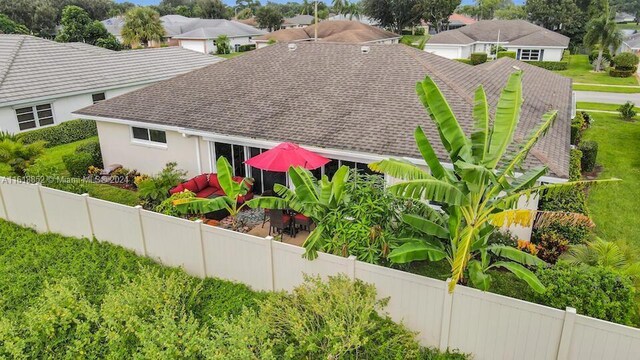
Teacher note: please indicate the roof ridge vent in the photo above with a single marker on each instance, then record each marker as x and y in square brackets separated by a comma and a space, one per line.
[365, 49]
[292, 47]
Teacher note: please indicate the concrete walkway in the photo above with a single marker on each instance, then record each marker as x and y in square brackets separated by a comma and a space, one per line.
[606, 85]
[607, 97]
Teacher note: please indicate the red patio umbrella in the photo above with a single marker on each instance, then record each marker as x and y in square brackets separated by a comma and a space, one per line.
[285, 155]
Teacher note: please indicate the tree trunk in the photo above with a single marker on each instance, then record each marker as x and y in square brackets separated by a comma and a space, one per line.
[599, 62]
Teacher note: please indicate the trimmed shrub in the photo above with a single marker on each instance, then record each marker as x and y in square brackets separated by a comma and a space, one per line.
[550, 65]
[155, 189]
[464, 61]
[92, 148]
[577, 124]
[627, 111]
[626, 61]
[166, 206]
[68, 131]
[77, 164]
[46, 174]
[478, 58]
[575, 167]
[621, 73]
[589, 154]
[592, 291]
[249, 47]
[511, 54]
[587, 119]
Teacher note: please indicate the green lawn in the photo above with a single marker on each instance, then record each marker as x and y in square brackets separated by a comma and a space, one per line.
[53, 156]
[629, 26]
[415, 38]
[232, 55]
[615, 208]
[580, 71]
[583, 105]
[613, 89]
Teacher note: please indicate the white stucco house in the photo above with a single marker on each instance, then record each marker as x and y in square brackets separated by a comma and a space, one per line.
[43, 82]
[196, 34]
[530, 42]
[630, 44]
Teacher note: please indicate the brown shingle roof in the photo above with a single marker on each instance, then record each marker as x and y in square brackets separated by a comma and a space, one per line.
[517, 32]
[334, 96]
[332, 31]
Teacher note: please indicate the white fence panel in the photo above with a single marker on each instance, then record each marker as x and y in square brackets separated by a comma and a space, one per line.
[238, 257]
[415, 300]
[497, 327]
[598, 339]
[67, 213]
[289, 267]
[23, 204]
[173, 241]
[117, 224]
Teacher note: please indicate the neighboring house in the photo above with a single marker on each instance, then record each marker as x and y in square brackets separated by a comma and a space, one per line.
[631, 44]
[351, 103]
[339, 31]
[42, 82]
[196, 34]
[456, 21]
[361, 18]
[622, 17]
[297, 21]
[530, 42]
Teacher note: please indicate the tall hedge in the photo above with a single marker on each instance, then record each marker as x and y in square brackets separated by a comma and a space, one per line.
[589, 154]
[550, 65]
[68, 131]
[511, 54]
[478, 58]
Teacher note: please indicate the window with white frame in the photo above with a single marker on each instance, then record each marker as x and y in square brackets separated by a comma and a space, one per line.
[530, 54]
[150, 135]
[30, 117]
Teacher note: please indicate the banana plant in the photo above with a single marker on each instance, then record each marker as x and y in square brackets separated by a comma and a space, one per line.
[310, 197]
[478, 191]
[232, 190]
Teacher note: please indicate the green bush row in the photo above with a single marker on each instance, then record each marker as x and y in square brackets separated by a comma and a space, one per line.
[577, 125]
[621, 73]
[86, 155]
[464, 61]
[511, 54]
[67, 132]
[550, 65]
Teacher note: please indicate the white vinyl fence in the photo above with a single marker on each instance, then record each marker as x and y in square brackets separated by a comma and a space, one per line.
[487, 325]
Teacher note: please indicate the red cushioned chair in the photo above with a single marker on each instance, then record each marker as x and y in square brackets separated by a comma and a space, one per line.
[207, 185]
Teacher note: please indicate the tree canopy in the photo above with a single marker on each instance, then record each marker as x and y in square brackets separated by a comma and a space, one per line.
[142, 25]
[269, 17]
[437, 12]
[393, 14]
[8, 26]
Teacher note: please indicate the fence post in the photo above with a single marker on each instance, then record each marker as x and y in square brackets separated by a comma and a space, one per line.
[3, 180]
[198, 224]
[44, 210]
[86, 204]
[272, 281]
[351, 267]
[445, 326]
[144, 241]
[567, 332]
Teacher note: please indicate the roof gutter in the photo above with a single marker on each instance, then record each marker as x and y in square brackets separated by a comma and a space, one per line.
[348, 155]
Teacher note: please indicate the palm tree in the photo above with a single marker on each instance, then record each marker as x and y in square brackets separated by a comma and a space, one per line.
[312, 198]
[603, 33]
[18, 155]
[479, 192]
[336, 6]
[142, 25]
[351, 9]
[607, 254]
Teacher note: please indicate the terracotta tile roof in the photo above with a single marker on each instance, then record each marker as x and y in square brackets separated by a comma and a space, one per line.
[332, 31]
[518, 32]
[334, 96]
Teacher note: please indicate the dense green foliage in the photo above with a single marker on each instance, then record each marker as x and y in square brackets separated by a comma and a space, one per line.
[168, 208]
[18, 155]
[77, 164]
[592, 291]
[621, 73]
[155, 189]
[269, 17]
[92, 148]
[627, 111]
[68, 131]
[77, 26]
[550, 65]
[464, 61]
[589, 150]
[478, 58]
[575, 167]
[626, 61]
[73, 298]
[223, 45]
[577, 125]
[8, 26]
[511, 54]
[141, 26]
[602, 33]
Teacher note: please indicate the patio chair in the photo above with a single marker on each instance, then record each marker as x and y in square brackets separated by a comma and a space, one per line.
[280, 222]
[265, 215]
[302, 222]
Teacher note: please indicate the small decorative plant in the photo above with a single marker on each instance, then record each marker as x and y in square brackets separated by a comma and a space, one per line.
[627, 111]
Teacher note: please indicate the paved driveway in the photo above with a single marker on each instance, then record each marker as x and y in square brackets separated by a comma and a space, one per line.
[607, 97]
